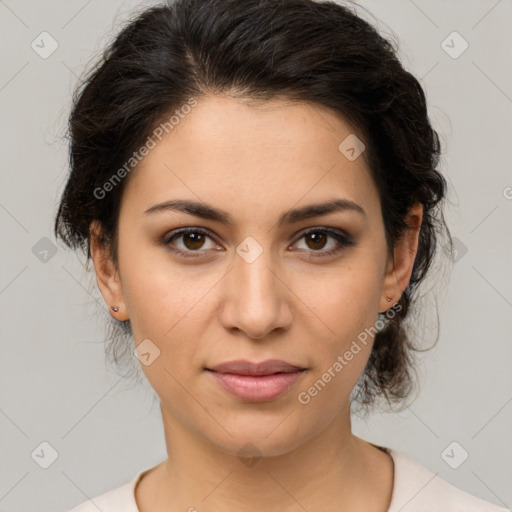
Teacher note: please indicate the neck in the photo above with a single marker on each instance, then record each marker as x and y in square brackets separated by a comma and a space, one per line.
[332, 468]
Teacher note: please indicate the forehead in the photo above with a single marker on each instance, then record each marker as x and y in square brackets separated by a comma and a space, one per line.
[252, 153]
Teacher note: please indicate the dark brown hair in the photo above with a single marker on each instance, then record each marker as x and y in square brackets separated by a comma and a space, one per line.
[304, 50]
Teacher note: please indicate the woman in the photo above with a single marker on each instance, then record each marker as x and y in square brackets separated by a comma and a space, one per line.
[256, 185]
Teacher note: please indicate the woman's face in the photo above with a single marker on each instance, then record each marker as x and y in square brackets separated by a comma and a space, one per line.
[258, 287]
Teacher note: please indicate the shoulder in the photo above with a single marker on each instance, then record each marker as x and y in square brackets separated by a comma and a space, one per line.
[120, 499]
[417, 489]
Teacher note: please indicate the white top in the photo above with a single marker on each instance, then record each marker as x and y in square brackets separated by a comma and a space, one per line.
[415, 489]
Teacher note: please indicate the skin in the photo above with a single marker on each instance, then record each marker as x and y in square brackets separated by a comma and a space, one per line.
[255, 161]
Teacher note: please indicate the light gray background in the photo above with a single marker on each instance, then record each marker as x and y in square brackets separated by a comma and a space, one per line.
[55, 385]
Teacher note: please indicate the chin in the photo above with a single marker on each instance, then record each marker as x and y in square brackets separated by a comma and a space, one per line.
[257, 440]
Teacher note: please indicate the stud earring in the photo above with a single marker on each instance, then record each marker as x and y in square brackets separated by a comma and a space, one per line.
[115, 309]
[389, 299]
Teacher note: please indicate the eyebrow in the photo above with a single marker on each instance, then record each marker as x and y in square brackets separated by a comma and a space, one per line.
[208, 212]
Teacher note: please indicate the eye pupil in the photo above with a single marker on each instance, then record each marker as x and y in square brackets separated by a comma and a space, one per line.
[197, 240]
[317, 238]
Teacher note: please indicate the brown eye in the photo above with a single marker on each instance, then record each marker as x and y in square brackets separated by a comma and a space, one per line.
[189, 242]
[193, 240]
[317, 240]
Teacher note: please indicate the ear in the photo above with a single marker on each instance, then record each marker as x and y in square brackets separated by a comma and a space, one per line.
[400, 267]
[107, 275]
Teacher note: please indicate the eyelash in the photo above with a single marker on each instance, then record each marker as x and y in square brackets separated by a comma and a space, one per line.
[344, 239]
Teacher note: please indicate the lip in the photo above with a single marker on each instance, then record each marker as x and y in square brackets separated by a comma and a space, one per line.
[256, 382]
[243, 367]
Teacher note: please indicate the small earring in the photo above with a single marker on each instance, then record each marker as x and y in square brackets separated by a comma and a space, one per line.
[389, 299]
[115, 309]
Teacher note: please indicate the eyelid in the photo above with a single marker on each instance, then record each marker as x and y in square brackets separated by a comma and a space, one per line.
[341, 236]
[166, 240]
[344, 239]
[334, 232]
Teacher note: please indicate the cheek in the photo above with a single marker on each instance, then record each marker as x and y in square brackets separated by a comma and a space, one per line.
[157, 296]
[167, 306]
[345, 306]
[162, 307]
[344, 299]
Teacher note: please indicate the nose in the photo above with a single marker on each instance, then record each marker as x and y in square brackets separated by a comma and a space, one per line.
[256, 298]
